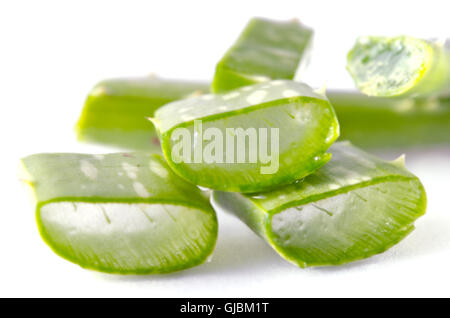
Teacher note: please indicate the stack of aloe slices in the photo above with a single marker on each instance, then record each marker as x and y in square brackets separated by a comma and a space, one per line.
[142, 213]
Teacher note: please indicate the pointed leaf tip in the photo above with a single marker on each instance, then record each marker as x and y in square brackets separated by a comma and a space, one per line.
[322, 90]
[154, 121]
[400, 161]
[98, 91]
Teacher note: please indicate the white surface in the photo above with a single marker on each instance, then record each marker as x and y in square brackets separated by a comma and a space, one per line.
[53, 52]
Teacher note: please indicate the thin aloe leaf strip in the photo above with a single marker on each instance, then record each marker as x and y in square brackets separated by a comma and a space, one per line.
[406, 121]
[400, 66]
[265, 50]
[293, 123]
[354, 207]
[120, 213]
[391, 123]
[115, 110]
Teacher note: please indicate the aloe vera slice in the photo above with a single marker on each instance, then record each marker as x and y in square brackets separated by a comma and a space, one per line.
[283, 125]
[354, 207]
[399, 66]
[115, 110]
[265, 50]
[120, 213]
[388, 123]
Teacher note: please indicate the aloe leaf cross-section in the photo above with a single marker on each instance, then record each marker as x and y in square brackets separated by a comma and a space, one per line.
[247, 140]
[115, 110]
[400, 66]
[354, 207]
[120, 213]
[265, 50]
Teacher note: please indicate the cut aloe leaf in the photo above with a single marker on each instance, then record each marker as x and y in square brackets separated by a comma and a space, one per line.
[381, 123]
[399, 66]
[265, 50]
[354, 207]
[248, 140]
[115, 111]
[120, 213]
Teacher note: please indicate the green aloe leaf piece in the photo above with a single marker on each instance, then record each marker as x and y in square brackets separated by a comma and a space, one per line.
[283, 125]
[399, 66]
[388, 123]
[354, 207]
[120, 213]
[115, 110]
[265, 50]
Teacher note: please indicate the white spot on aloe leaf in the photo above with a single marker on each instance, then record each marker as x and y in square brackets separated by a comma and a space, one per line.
[277, 82]
[88, 169]
[259, 196]
[158, 169]
[256, 97]
[260, 78]
[231, 95]
[334, 186]
[354, 180]
[183, 110]
[405, 106]
[207, 97]
[187, 118]
[130, 170]
[140, 189]
[290, 93]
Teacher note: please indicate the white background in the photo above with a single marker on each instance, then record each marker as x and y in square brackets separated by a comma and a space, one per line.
[53, 52]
